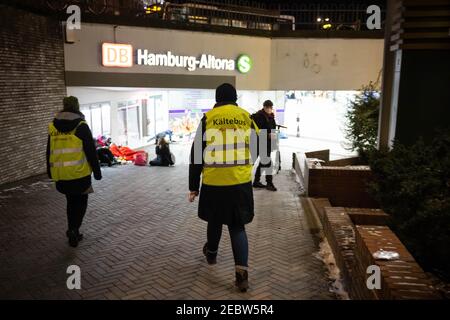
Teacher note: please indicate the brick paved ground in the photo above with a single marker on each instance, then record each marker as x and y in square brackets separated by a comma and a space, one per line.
[143, 240]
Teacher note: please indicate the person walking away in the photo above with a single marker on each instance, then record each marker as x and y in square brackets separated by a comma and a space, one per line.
[71, 159]
[163, 155]
[223, 159]
[265, 120]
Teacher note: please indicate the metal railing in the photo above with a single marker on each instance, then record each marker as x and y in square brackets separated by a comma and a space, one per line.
[349, 16]
[240, 14]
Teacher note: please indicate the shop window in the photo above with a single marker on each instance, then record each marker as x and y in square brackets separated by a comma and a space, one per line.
[129, 123]
[98, 117]
[154, 116]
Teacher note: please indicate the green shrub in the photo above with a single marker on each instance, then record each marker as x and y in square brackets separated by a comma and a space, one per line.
[412, 184]
[362, 121]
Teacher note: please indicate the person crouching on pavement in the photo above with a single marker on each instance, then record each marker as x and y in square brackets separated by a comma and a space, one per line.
[226, 196]
[71, 159]
[163, 154]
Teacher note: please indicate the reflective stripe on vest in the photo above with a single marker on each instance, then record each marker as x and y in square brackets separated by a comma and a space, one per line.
[227, 155]
[67, 158]
[67, 163]
[66, 150]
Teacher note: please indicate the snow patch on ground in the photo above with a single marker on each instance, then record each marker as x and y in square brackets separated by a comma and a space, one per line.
[334, 274]
[299, 182]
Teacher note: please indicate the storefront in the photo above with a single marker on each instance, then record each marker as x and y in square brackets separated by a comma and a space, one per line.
[133, 116]
[136, 82]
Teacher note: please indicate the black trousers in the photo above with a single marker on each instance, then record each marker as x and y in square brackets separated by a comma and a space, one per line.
[105, 156]
[76, 209]
[158, 163]
[269, 178]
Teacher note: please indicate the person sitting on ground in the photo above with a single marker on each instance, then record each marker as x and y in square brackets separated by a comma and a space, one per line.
[163, 155]
[104, 154]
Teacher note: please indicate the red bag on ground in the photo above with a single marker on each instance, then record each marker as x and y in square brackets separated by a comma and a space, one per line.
[115, 150]
[140, 159]
[127, 153]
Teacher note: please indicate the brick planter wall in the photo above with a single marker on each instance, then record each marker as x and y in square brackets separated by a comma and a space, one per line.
[340, 181]
[339, 230]
[400, 279]
[365, 216]
[321, 154]
[353, 247]
[354, 161]
[343, 186]
[32, 88]
[320, 204]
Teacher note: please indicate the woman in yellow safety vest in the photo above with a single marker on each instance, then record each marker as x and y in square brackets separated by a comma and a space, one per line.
[71, 159]
[223, 153]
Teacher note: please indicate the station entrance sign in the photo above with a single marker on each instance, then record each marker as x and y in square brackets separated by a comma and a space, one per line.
[121, 55]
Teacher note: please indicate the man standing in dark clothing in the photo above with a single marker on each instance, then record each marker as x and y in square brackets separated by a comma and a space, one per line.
[222, 154]
[265, 120]
[71, 159]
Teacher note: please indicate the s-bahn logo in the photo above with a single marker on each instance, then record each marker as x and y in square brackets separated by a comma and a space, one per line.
[244, 63]
[121, 55]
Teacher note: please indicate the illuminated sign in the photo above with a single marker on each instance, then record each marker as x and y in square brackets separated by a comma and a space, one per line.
[206, 61]
[244, 63]
[121, 55]
[117, 55]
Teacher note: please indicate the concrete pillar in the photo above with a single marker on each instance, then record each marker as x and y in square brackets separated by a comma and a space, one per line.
[416, 77]
[384, 129]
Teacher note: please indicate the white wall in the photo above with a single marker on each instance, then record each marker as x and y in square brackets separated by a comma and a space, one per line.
[252, 101]
[277, 63]
[325, 64]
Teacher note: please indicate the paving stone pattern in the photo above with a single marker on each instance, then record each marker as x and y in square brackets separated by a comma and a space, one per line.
[143, 240]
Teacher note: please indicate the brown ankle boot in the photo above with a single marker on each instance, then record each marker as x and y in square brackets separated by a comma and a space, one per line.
[241, 279]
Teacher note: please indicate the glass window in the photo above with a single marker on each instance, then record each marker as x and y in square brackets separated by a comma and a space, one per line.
[122, 126]
[133, 125]
[106, 119]
[129, 123]
[96, 118]
[87, 115]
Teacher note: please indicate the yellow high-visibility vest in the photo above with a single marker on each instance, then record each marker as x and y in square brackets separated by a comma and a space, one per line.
[67, 158]
[227, 158]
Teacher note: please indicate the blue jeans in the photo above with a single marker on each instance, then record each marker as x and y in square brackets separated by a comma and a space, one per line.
[239, 242]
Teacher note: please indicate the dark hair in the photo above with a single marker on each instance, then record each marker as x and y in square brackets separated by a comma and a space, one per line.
[71, 104]
[268, 103]
[162, 142]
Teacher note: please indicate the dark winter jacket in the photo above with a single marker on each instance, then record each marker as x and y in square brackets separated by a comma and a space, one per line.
[267, 122]
[230, 205]
[163, 155]
[65, 122]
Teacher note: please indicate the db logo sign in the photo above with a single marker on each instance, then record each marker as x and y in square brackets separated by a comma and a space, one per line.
[117, 55]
